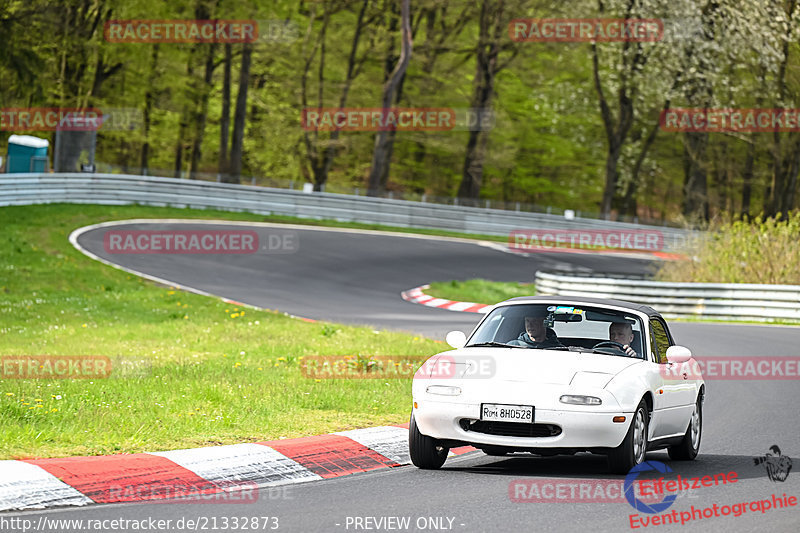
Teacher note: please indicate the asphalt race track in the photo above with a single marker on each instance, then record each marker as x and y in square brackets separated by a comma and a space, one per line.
[356, 278]
[351, 277]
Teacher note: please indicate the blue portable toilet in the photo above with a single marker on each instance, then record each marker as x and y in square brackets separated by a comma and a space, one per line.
[26, 154]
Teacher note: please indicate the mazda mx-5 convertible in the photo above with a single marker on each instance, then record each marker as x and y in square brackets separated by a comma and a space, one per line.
[559, 375]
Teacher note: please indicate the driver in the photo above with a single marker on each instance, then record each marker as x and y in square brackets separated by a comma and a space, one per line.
[536, 335]
[622, 333]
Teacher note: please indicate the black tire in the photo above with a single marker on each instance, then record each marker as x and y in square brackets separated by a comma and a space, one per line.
[494, 451]
[690, 445]
[634, 446]
[426, 452]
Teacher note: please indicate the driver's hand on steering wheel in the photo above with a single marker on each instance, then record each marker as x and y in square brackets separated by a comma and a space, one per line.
[629, 351]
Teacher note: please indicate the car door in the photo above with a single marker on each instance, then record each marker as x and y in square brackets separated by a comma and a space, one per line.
[655, 382]
[675, 395]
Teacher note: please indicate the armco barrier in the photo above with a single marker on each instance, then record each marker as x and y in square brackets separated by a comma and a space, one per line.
[117, 189]
[720, 301]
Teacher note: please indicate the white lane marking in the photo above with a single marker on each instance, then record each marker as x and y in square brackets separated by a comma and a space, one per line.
[389, 441]
[459, 306]
[27, 486]
[277, 225]
[241, 462]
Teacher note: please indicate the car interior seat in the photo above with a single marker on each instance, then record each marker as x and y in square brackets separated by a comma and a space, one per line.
[637, 343]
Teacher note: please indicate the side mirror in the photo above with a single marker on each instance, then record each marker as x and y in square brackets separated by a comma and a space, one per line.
[456, 339]
[678, 354]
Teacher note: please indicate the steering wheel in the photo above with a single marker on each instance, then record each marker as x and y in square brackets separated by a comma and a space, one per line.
[610, 344]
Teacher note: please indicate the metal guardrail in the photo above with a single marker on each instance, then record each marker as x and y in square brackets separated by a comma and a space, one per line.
[119, 189]
[719, 301]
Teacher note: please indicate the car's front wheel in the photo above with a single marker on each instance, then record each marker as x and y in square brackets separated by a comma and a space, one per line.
[426, 452]
[690, 444]
[633, 448]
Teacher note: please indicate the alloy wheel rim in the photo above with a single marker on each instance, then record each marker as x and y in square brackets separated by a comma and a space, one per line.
[695, 428]
[638, 437]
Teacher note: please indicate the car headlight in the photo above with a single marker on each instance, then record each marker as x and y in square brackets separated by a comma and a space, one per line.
[444, 390]
[575, 399]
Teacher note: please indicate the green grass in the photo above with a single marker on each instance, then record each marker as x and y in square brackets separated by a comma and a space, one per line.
[745, 250]
[197, 371]
[479, 290]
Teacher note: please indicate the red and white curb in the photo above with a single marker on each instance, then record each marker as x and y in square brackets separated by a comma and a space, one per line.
[43, 483]
[417, 296]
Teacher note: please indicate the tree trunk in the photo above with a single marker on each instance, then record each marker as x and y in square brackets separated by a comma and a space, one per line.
[237, 143]
[201, 115]
[438, 33]
[225, 119]
[381, 156]
[312, 153]
[695, 187]
[472, 174]
[389, 65]
[184, 122]
[629, 204]
[101, 74]
[486, 69]
[779, 195]
[785, 167]
[616, 132]
[790, 179]
[330, 150]
[612, 174]
[149, 96]
[616, 129]
[721, 178]
[747, 178]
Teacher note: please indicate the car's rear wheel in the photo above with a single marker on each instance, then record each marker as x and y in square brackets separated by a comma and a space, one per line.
[426, 452]
[690, 445]
[633, 448]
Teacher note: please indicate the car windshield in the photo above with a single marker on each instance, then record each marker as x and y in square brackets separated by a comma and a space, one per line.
[555, 326]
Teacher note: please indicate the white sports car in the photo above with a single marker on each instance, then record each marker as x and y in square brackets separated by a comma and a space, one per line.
[558, 375]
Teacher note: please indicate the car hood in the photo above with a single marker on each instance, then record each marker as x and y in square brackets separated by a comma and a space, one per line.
[535, 366]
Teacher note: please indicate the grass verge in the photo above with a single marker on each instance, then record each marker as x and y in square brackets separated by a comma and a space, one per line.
[756, 250]
[199, 371]
[479, 290]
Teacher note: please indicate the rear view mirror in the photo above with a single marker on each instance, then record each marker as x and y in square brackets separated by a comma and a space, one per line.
[678, 354]
[456, 339]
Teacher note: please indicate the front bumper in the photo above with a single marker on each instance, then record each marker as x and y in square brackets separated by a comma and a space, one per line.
[580, 429]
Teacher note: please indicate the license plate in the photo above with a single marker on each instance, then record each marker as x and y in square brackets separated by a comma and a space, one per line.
[498, 412]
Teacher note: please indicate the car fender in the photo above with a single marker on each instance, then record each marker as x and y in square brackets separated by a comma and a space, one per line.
[630, 385]
[423, 375]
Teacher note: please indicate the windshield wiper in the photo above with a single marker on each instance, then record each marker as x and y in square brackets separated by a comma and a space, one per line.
[556, 348]
[492, 343]
[609, 353]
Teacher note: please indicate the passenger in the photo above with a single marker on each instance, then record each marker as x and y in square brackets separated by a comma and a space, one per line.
[622, 332]
[536, 335]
